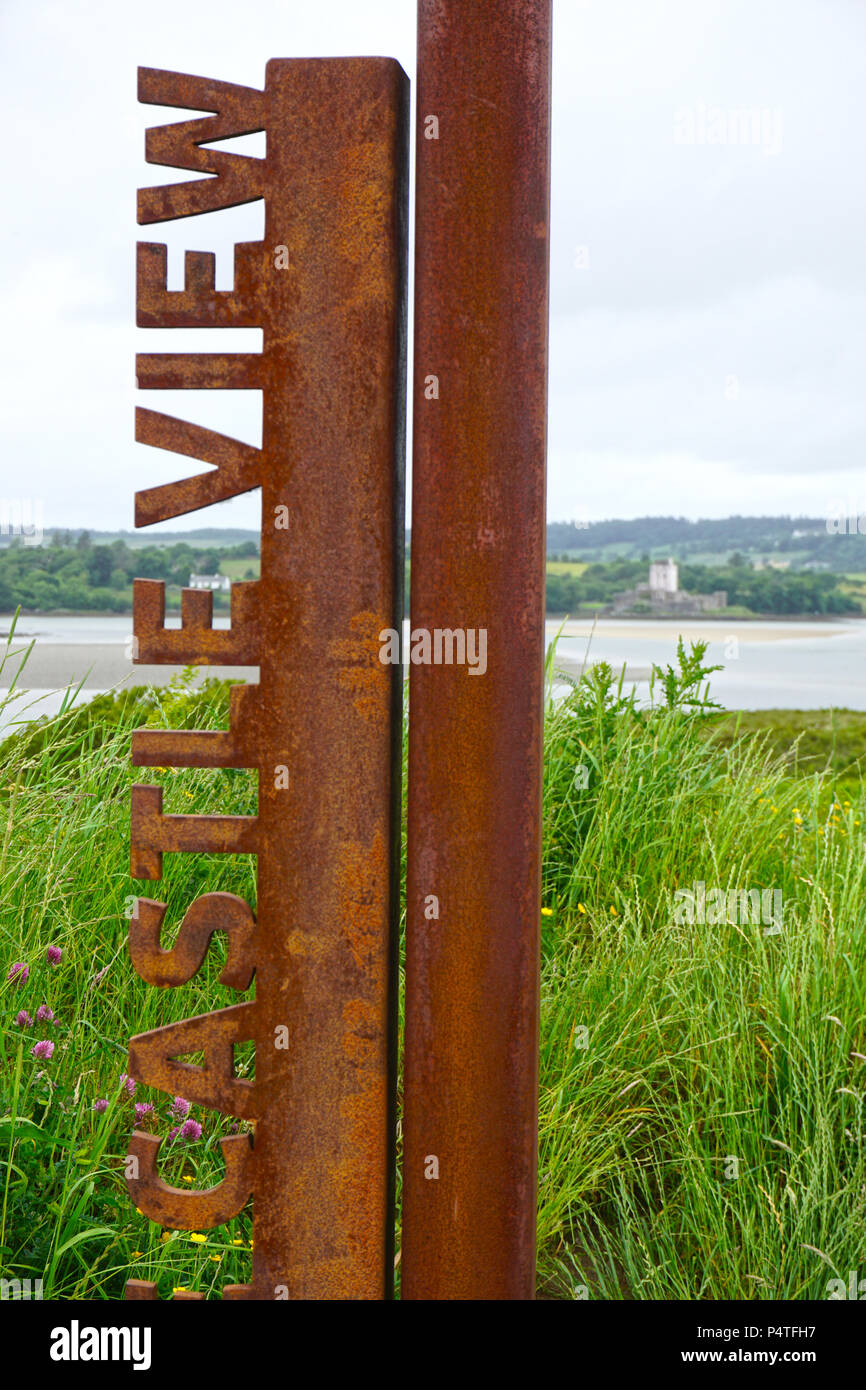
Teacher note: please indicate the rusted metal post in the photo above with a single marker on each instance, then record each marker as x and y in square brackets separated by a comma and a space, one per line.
[327, 287]
[475, 748]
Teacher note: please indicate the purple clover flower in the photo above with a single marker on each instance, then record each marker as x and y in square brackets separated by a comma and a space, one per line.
[23, 1019]
[44, 1014]
[44, 1049]
[100, 1106]
[19, 972]
[190, 1129]
[54, 955]
[180, 1108]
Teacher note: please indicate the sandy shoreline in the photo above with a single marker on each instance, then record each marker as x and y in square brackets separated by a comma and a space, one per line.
[697, 629]
[55, 665]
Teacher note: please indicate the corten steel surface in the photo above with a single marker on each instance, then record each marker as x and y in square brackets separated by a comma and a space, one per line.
[478, 517]
[327, 287]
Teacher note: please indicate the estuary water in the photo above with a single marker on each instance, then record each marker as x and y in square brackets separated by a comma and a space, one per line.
[767, 665]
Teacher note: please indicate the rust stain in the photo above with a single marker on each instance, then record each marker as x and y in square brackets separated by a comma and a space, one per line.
[362, 886]
[363, 674]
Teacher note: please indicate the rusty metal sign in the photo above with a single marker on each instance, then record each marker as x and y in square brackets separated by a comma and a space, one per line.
[475, 750]
[327, 287]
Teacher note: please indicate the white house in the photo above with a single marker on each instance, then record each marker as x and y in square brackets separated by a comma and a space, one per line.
[214, 582]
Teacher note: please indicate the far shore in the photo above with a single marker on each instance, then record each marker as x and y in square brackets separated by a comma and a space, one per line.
[6, 618]
[774, 629]
[824, 619]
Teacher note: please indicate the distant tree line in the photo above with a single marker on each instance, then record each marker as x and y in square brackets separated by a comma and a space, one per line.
[842, 547]
[84, 577]
[761, 591]
[770, 590]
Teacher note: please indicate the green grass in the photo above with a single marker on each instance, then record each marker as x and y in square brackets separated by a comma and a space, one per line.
[668, 1049]
[807, 741]
[64, 808]
[241, 568]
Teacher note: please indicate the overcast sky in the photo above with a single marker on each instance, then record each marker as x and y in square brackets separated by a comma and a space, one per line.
[708, 292]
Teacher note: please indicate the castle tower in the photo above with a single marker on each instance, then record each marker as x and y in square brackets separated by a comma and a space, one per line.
[664, 577]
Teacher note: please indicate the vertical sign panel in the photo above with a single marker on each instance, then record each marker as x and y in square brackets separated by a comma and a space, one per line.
[321, 729]
[475, 729]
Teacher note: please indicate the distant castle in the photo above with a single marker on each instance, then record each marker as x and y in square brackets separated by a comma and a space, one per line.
[663, 595]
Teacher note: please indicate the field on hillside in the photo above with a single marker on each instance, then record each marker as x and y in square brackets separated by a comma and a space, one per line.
[574, 567]
[703, 1051]
[247, 567]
